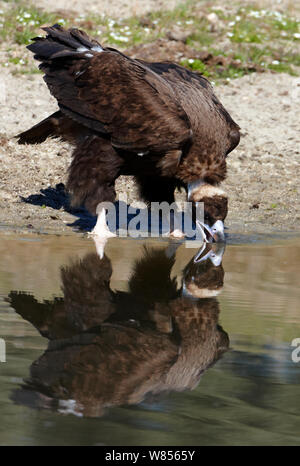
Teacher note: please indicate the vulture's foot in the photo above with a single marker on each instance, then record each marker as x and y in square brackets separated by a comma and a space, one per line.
[101, 229]
[101, 233]
[176, 234]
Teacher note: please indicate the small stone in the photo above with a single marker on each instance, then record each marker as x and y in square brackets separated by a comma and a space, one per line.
[212, 18]
[178, 35]
[215, 23]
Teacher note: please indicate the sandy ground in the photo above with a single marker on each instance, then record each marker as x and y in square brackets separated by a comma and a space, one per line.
[112, 8]
[126, 8]
[263, 172]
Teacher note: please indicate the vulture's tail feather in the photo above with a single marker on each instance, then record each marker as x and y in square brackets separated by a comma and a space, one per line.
[60, 42]
[56, 125]
[39, 132]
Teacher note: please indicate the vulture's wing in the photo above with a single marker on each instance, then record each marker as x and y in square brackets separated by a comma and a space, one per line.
[189, 87]
[187, 80]
[108, 92]
[178, 74]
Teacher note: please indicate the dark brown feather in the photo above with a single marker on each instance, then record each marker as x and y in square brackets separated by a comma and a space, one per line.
[39, 132]
[131, 103]
[92, 173]
[56, 125]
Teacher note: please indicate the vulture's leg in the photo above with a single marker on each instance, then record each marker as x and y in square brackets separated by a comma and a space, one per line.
[156, 188]
[101, 229]
[92, 174]
[159, 189]
[101, 232]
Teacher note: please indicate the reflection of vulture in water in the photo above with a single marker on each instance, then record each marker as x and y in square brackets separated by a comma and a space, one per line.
[113, 348]
[157, 121]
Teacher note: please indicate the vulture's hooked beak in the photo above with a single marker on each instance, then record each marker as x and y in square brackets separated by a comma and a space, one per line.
[213, 234]
[213, 252]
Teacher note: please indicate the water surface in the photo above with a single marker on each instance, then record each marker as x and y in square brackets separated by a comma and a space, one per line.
[152, 345]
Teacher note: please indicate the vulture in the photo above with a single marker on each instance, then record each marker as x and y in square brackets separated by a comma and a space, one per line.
[159, 122]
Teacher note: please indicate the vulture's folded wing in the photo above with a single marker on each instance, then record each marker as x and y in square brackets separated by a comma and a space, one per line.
[190, 86]
[187, 80]
[174, 73]
[110, 93]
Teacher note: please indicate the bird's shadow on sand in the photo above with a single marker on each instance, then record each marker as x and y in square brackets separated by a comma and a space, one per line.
[57, 198]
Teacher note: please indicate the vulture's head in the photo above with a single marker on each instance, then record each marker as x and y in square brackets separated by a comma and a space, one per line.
[203, 277]
[215, 202]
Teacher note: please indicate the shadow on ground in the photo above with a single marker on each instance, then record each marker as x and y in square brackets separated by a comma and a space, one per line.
[57, 198]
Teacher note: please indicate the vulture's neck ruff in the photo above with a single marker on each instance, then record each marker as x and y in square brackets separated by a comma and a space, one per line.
[197, 190]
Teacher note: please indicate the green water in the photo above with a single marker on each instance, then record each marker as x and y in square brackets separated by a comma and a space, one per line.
[146, 346]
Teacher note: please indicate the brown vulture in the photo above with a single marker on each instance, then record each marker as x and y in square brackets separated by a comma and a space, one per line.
[157, 121]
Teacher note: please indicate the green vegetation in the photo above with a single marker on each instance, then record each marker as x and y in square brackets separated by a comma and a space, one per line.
[20, 23]
[195, 65]
[252, 39]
